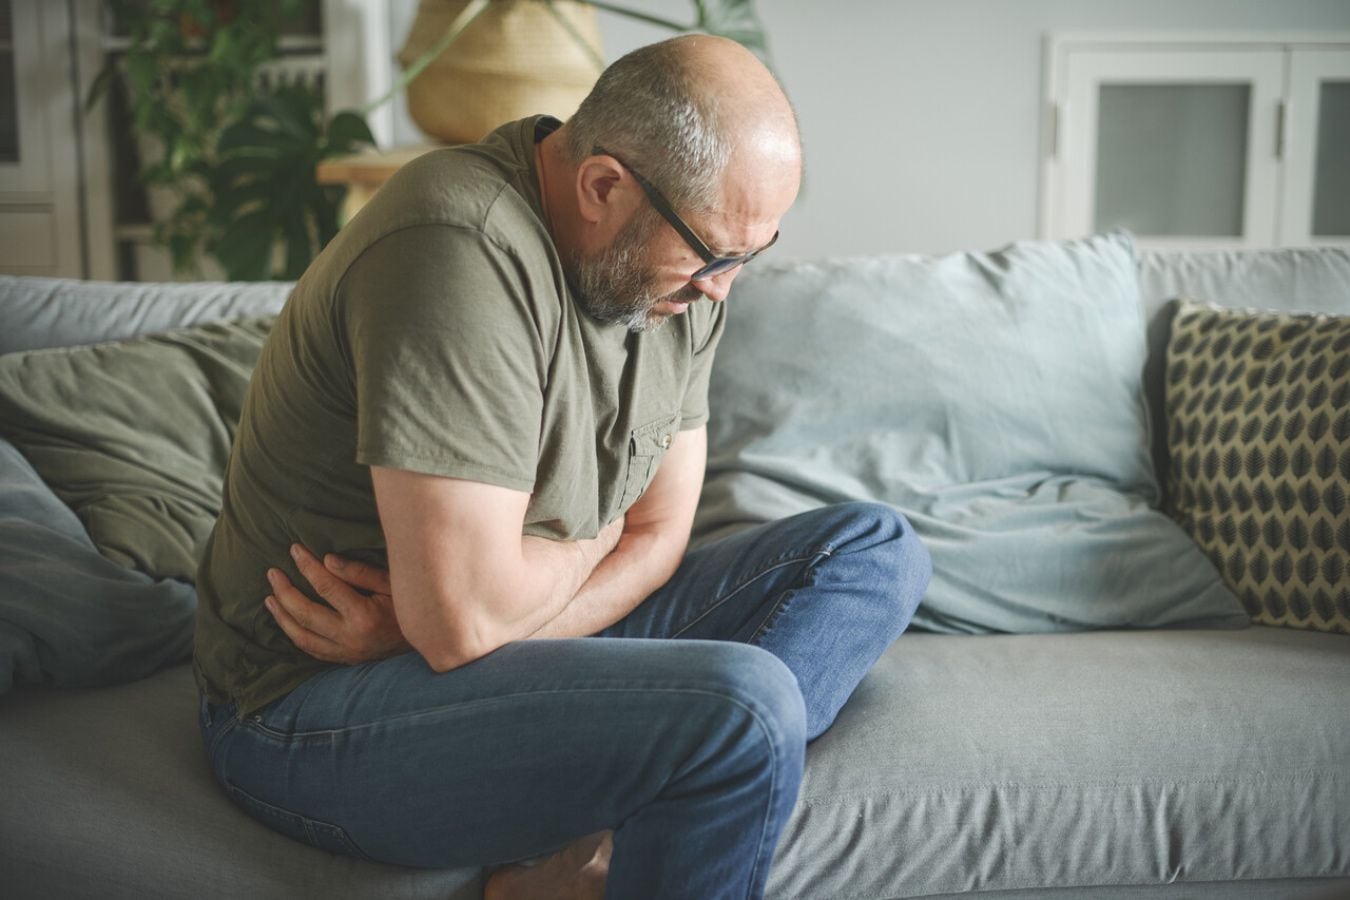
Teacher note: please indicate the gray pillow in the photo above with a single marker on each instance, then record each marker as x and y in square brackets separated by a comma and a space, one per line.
[68, 616]
[994, 398]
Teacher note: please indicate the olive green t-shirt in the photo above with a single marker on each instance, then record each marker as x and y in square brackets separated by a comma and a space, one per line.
[436, 333]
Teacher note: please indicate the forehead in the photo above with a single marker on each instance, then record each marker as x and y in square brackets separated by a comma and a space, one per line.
[748, 211]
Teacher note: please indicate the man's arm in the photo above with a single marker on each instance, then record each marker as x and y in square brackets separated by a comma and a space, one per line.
[464, 581]
[655, 536]
[655, 533]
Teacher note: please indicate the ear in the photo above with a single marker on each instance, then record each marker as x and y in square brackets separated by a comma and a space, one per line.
[597, 199]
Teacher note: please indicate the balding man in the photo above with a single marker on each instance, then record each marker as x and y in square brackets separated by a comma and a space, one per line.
[484, 409]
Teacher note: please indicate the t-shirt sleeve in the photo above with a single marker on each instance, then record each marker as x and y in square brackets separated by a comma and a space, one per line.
[694, 409]
[448, 357]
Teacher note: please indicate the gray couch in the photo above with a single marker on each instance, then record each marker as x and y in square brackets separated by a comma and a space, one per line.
[1093, 758]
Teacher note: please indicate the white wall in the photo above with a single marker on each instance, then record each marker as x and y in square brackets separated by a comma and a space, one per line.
[921, 118]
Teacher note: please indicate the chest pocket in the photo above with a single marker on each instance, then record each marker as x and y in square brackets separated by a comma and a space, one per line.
[646, 446]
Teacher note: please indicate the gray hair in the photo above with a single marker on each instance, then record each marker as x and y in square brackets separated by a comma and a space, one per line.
[648, 108]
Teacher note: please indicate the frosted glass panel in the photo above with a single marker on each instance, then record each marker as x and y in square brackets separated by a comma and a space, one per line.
[1331, 177]
[9, 120]
[1172, 158]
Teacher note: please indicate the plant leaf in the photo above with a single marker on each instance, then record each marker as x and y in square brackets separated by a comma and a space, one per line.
[245, 249]
[346, 132]
[735, 19]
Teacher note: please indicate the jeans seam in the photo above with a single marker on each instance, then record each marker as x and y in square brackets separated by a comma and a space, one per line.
[822, 553]
[256, 724]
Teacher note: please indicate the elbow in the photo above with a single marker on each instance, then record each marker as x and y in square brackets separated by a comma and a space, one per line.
[445, 649]
[444, 663]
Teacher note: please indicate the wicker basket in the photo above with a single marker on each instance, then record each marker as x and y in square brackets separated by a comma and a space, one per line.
[514, 60]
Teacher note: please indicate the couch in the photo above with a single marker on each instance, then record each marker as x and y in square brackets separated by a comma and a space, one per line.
[1083, 709]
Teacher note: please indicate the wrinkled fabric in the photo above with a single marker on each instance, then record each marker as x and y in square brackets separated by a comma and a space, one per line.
[133, 435]
[995, 399]
[69, 616]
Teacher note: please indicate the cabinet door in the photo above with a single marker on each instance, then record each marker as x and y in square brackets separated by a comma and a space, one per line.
[1176, 144]
[39, 215]
[1316, 208]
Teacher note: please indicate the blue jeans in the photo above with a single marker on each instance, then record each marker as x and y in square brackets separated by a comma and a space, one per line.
[682, 727]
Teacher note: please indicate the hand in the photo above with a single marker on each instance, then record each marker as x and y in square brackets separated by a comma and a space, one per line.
[361, 625]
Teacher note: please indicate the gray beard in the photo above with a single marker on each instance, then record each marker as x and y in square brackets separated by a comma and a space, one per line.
[616, 286]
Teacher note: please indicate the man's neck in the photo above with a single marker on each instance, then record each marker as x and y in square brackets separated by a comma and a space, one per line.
[555, 179]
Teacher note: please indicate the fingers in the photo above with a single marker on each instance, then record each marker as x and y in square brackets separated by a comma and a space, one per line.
[304, 612]
[359, 574]
[309, 641]
[337, 592]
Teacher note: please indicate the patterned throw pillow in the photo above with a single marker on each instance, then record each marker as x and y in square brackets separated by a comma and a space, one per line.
[1258, 425]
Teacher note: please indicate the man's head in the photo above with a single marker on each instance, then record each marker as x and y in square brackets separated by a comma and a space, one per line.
[686, 152]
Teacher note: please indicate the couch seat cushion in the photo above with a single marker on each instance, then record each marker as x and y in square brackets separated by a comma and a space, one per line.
[107, 794]
[1112, 758]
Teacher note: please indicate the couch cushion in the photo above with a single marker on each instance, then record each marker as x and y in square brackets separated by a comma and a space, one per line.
[133, 435]
[1289, 280]
[1258, 408]
[994, 398]
[1113, 758]
[108, 794]
[68, 616]
[58, 312]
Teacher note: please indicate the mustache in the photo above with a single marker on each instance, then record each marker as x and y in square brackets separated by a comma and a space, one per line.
[686, 294]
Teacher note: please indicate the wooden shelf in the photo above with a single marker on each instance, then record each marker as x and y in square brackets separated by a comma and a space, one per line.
[363, 173]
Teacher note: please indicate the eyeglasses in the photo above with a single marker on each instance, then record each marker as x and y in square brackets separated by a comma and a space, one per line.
[713, 265]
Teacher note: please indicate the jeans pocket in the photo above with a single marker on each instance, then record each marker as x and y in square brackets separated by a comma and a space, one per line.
[314, 832]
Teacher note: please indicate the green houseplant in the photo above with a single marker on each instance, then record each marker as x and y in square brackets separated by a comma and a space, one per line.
[241, 161]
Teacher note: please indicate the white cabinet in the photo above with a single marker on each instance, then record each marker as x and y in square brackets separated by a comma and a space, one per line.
[1230, 141]
[1316, 207]
[40, 229]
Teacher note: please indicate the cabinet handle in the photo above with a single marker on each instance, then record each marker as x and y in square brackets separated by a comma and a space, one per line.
[1281, 128]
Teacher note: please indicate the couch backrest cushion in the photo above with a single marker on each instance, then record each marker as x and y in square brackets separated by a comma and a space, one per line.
[57, 312]
[994, 398]
[1288, 280]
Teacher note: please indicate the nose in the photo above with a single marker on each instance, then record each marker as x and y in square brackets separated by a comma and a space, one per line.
[718, 286]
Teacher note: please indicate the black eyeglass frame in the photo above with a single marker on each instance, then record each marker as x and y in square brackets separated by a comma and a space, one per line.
[713, 265]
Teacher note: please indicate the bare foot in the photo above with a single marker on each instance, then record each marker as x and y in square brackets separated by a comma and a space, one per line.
[576, 872]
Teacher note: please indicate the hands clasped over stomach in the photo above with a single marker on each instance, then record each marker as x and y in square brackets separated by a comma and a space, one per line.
[358, 625]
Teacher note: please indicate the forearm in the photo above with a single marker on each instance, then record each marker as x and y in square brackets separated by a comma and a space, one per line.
[529, 588]
[554, 572]
[641, 563]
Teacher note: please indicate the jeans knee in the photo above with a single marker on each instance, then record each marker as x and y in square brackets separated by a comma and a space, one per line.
[759, 688]
[896, 557]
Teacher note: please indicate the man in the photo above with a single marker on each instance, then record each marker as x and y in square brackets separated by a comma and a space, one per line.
[493, 384]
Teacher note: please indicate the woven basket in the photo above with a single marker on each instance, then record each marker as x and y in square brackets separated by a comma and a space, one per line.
[514, 60]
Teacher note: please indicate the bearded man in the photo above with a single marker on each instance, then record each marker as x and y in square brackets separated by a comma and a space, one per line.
[477, 434]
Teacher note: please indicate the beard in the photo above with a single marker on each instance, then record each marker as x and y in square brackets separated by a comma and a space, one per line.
[617, 286]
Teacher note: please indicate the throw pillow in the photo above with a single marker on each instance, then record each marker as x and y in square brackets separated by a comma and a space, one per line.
[993, 398]
[134, 435]
[69, 616]
[1258, 408]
